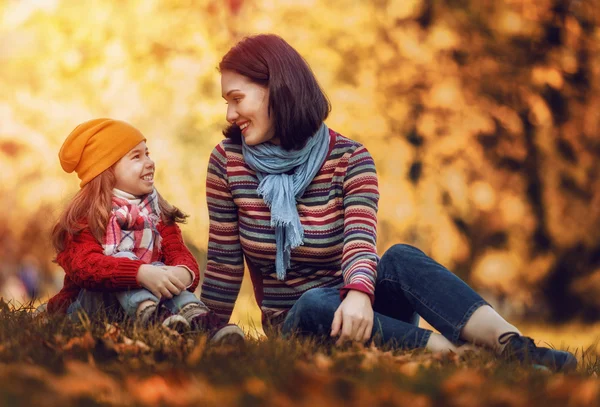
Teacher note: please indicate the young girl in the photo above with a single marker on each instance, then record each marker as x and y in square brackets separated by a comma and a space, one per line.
[298, 202]
[118, 240]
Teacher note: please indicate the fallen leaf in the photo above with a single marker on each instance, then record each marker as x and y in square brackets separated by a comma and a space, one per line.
[113, 331]
[84, 380]
[585, 394]
[462, 380]
[196, 354]
[152, 390]
[409, 369]
[322, 361]
[85, 342]
[255, 386]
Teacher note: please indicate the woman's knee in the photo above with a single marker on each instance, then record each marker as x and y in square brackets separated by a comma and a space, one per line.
[313, 312]
[315, 300]
[401, 261]
[401, 251]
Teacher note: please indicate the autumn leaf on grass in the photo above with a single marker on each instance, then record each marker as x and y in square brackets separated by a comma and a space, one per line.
[445, 358]
[463, 388]
[573, 391]
[17, 382]
[501, 395]
[129, 346]
[137, 343]
[370, 360]
[112, 331]
[586, 393]
[84, 342]
[197, 352]
[255, 386]
[369, 356]
[410, 363]
[150, 391]
[389, 394]
[322, 362]
[83, 380]
[115, 340]
[307, 378]
[176, 390]
[373, 356]
[462, 380]
[409, 369]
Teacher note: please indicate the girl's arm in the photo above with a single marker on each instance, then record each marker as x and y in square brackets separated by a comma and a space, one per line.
[60, 302]
[85, 263]
[225, 265]
[176, 253]
[361, 197]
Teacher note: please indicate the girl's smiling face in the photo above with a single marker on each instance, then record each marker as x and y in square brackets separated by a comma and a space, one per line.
[134, 172]
[248, 108]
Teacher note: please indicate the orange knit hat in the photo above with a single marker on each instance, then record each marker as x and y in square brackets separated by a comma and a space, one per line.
[94, 146]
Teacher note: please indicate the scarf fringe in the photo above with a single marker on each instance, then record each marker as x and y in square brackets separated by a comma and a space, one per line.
[280, 190]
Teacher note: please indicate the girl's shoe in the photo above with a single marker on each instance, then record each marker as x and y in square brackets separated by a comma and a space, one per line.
[176, 323]
[523, 349]
[159, 314]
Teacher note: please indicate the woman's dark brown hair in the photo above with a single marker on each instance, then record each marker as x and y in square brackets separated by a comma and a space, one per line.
[297, 103]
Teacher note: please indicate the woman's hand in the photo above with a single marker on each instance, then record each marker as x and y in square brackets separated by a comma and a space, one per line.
[353, 320]
[159, 281]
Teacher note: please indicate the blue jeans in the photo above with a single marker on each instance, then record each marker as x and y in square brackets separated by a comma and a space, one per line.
[408, 283]
[93, 302]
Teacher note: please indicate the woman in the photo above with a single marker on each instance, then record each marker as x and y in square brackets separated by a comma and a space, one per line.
[299, 202]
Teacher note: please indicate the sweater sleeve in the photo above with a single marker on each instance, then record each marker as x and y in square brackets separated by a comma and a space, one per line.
[225, 261]
[176, 253]
[85, 264]
[361, 197]
[60, 302]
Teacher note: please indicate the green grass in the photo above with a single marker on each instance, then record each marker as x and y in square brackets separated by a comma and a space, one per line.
[56, 362]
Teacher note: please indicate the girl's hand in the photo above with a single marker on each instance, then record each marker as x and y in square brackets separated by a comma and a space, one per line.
[353, 320]
[181, 273]
[160, 282]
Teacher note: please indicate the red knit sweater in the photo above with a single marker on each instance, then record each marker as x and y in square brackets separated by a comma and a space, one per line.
[86, 266]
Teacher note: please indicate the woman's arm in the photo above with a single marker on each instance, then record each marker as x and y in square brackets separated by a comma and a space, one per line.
[225, 262]
[353, 320]
[85, 263]
[361, 197]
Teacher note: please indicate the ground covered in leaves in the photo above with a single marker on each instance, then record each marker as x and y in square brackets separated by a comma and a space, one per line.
[55, 362]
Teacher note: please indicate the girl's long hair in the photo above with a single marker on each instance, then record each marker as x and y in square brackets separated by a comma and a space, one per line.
[91, 208]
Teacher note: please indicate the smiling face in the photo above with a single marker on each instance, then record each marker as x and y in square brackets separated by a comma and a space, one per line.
[248, 108]
[134, 172]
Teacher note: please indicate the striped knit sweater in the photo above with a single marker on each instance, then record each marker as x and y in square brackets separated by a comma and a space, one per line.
[338, 212]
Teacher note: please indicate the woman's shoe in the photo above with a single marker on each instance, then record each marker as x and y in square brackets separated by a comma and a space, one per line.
[523, 349]
[229, 334]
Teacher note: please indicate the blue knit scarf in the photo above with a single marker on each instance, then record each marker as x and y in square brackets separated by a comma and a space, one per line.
[280, 190]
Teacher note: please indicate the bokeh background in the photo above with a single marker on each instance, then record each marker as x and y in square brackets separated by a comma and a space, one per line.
[482, 116]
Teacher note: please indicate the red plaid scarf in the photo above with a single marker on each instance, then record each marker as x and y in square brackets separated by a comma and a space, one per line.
[132, 225]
